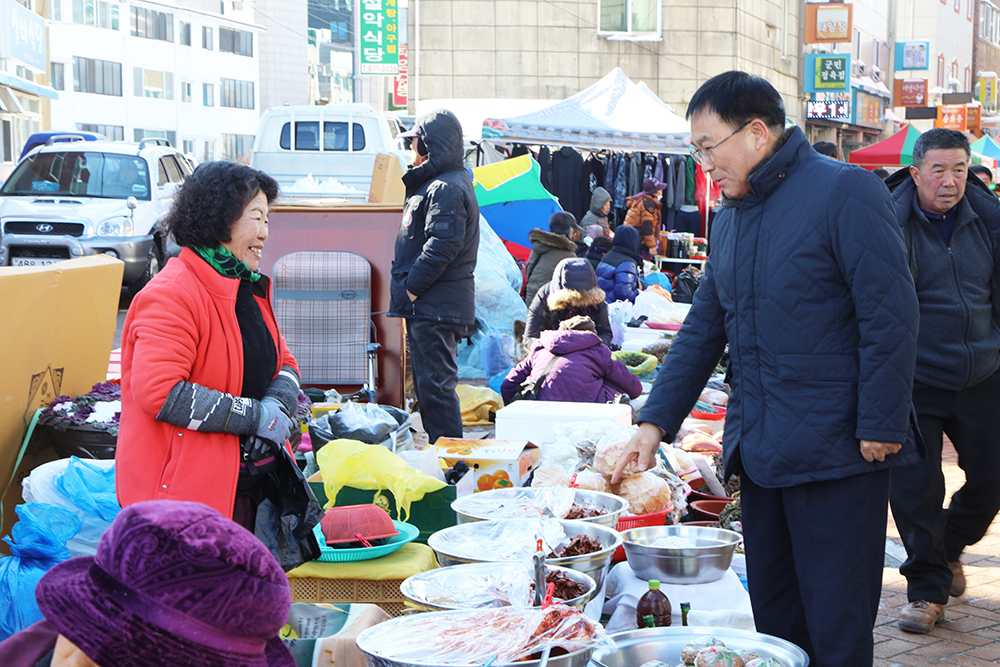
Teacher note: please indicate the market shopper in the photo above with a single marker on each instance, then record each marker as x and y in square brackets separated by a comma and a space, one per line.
[432, 272]
[209, 387]
[983, 173]
[598, 249]
[808, 283]
[644, 214]
[548, 248]
[573, 365]
[173, 584]
[600, 206]
[950, 224]
[618, 272]
[572, 291]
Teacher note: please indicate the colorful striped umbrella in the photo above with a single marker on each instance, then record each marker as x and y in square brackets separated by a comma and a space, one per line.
[896, 151]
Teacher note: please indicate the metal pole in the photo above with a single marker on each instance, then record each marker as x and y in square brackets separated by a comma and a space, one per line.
[356, 79]
[414, 71]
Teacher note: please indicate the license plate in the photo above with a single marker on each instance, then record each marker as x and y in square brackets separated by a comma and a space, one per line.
[32, 261]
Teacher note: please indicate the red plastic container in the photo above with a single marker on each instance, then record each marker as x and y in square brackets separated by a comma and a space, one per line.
[640, 521]
[710, 416]
[344, 524]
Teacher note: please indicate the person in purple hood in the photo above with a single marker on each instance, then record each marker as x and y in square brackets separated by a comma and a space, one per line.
[582, 371]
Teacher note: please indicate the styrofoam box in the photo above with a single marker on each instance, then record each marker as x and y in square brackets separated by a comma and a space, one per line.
[533, 420]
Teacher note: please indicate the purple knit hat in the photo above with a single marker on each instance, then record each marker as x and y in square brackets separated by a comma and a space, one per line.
[173, 583]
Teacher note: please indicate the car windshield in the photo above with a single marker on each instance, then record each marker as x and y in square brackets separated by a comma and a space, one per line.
[80, 174]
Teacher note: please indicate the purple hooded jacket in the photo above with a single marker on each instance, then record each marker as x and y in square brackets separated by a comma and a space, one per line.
[584, 373]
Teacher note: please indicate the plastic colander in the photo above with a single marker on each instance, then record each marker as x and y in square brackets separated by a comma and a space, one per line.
[356, 523]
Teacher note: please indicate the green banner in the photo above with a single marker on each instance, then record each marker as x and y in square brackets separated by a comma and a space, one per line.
[832, 73]
[379, 37]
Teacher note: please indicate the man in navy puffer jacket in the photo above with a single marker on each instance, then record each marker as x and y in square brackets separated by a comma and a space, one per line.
[950, 224]
[618, 271]
[808, 283]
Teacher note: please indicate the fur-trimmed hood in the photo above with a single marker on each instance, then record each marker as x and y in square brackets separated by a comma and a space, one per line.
[564, 298]
[540, 237]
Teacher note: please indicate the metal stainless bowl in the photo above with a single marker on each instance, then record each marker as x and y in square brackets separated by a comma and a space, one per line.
[461, 577]
[378, 654]
[490, 505]
[706, 561]
[665, 644]
[594, 564]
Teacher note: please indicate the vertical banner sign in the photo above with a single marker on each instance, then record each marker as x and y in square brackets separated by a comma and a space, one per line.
[399, 94]
[988, 89]
[26, 36]
[379, 37]
[828, 73]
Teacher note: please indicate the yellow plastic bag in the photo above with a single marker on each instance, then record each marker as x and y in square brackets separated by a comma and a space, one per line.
[477, 403]
[372, 467]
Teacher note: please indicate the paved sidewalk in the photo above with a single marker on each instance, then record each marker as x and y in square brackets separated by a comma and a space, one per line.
[971, 634]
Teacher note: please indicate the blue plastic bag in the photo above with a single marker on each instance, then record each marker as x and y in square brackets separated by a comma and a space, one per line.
[497, 380]
[496, 351]
[90, 488]
[39, 542]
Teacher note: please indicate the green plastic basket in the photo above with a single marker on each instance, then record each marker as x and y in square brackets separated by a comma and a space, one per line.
[407, 533]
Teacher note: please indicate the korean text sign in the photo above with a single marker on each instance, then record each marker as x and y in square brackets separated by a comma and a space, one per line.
[379, 36]
[26, 36]
[827, 73]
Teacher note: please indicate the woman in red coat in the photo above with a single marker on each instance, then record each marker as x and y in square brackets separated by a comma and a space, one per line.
[209, 388]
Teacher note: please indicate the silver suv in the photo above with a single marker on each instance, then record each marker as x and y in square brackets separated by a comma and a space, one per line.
[67, 200]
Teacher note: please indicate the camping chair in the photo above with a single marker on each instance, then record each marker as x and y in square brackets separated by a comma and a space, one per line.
[322, 300]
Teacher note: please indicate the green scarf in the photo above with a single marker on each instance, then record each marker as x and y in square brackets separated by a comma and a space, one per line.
[227, 264]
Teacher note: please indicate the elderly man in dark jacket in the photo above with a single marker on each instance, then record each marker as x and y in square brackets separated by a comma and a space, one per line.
[432, 272]
[950, 224]
[808, 283]
[548, 248]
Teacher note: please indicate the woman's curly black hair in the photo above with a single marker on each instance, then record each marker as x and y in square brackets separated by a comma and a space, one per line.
[212, 199]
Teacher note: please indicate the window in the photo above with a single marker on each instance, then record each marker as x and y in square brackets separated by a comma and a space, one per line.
[206, 38]
[185, 29]
[152, 24]
[95, 12]
[629, 16]
[186, 87]
[187, 147]
[57, 10]
[237, 94]
[140, 134]
[152, 83]
[81, 173]
[971, 7]
[940, 71]
[239, 42]
[112, 132]
[236, 146]
[338, 31]
[57, 76]
[989, 23]
[169, 171]
[968, 78]
[209, 151]
[856, 51]
[102, 77]
[958, 6]
[208, 94]
[334, 136]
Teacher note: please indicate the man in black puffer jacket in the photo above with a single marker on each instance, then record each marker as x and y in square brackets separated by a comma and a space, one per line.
[950, 224]
[432, 272]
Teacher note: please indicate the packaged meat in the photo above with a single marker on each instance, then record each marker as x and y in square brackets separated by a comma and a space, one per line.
[646, 493]
[690, 652]
[718, 656]
[701, 442]
[714, 397]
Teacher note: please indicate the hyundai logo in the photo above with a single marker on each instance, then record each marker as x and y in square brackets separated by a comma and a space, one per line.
[44, 228]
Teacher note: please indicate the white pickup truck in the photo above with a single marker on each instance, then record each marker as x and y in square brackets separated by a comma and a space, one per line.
[324, 151]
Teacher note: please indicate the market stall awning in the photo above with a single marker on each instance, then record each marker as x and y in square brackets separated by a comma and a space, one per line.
[896, 151]
[612, 114]
[987, 146]
[513, 201]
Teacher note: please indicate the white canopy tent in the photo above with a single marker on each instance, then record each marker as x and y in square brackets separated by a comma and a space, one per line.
[612, 114]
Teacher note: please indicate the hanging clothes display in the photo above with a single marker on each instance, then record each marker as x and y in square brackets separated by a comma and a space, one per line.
[594, 170]
[568, 184]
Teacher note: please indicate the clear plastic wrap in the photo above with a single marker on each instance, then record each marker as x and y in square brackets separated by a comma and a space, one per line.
[497, 585]
[517, 503]
[646, 493]
[473, 637]
[503, 540]
[593, 481]
[610, 447]
[550, 477]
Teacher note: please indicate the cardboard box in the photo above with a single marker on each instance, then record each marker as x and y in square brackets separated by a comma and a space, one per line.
[387, 181]
[59, 323]
[320, 409]
[430, 514]
[494, 464]
[535, 420]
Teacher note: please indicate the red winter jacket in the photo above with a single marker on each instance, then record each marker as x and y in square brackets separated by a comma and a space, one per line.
[182, 326]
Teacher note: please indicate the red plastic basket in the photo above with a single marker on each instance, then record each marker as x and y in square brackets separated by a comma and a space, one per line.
[710, 416]
[640, 521]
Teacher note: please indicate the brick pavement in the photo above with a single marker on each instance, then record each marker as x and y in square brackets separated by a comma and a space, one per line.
[971, 634]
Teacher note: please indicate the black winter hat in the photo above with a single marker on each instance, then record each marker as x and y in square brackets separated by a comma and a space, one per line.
[563, 222]
[575, 273]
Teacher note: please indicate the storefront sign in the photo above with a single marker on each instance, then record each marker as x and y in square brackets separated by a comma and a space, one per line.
[869, 110]
[973, 117]
[991, 125]
[828, 23]
[988, 89]
[910, 92]
[951, 116]
[379, 37]
[25, 34]
[913, 55]
[829, 106]
[400, 81]
[828, 73]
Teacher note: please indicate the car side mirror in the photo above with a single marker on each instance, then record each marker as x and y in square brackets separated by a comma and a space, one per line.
[132, 203]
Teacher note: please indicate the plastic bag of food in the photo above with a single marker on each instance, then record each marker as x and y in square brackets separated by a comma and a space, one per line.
[610, 447]
[646, 493]
[472, 637]
[582, 438]
[592, 481]
[550, 476]
[639, 363]
[502, 585]
[511, 539]
[518, 503]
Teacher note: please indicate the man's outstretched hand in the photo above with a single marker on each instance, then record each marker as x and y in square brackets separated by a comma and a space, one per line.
[641, 447]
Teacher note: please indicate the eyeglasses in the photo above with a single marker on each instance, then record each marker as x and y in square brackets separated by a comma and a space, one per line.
[704, 155]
